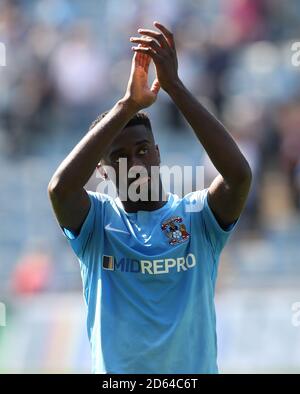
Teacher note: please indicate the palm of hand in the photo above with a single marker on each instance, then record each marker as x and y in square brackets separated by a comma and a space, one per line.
[138, 87]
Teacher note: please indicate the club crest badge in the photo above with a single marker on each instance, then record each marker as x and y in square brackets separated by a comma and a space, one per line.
[175, 230]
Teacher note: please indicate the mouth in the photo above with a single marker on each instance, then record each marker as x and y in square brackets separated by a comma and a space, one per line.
[140, 180]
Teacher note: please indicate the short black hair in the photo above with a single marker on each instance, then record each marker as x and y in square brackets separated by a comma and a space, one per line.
[140, 118]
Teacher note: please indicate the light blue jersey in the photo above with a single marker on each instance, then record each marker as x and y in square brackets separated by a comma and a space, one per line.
[149, 280]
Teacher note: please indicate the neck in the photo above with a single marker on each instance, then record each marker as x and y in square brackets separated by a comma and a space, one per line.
[132, 207]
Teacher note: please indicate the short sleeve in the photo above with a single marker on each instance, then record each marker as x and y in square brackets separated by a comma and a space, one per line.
[80, 242]
[215, 234]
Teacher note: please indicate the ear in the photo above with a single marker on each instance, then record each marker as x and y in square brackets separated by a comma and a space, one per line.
[102, 172]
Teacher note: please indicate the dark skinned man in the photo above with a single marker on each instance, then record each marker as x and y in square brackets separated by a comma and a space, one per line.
[149, 266]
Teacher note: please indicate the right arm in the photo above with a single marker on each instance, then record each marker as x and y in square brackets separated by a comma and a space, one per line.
[69, 199]
[66, 191]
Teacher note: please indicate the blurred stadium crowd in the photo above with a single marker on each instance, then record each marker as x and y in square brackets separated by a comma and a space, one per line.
[68, 61]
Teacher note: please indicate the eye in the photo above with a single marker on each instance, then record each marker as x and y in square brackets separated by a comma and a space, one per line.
[143, 151]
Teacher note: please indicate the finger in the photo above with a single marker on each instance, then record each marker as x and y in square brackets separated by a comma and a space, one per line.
[169, 35]
[134, 61]
[148, 51]
[145, 59]
[155, 34]
[147, 42]
[138, 59]
[155, 86]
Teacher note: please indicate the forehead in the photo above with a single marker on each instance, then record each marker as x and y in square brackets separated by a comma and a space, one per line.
[131, 136]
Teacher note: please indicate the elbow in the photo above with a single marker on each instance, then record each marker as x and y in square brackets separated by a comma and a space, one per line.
[59, 189]
[241, 175]
[55, 188]
[245, 174]
[248, 173]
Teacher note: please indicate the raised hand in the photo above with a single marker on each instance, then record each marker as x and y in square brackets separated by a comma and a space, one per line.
[138, 90]
[160, 46]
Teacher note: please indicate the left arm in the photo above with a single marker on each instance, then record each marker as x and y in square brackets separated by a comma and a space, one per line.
[228, 192]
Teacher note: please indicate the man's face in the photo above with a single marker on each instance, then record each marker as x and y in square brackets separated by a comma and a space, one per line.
[136, 145]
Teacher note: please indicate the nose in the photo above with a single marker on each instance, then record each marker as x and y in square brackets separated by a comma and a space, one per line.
[135, 162]
[138, 171]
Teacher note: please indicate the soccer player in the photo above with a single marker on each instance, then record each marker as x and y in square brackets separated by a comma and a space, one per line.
[149, 267]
